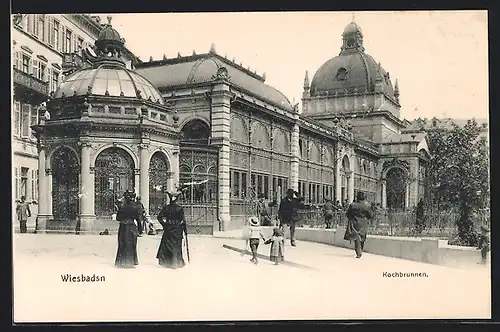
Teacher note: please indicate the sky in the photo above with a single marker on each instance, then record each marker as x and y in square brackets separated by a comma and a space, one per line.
[440, 58]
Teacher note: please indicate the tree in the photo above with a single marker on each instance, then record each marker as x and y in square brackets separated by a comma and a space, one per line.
[459, 170]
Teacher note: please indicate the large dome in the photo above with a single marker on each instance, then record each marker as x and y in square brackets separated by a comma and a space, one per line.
[108, 81]
[352, 70]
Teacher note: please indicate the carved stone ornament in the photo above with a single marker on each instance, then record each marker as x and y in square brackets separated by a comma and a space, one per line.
[222, 74]
[395, 162]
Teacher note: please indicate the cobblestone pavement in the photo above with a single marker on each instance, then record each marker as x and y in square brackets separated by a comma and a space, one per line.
[220, 284]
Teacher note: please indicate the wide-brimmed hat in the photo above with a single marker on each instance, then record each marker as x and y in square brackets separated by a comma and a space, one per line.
[173, 196]
[253, 221]
[129, 194]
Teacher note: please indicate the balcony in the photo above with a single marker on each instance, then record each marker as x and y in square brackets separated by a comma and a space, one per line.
[29, 86]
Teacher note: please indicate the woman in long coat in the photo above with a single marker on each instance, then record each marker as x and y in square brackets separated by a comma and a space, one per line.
[126, 256]
[171, 217]
[358, 215]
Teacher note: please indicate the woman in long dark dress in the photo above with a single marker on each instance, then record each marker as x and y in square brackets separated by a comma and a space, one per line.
[126, 256]
[171, 217]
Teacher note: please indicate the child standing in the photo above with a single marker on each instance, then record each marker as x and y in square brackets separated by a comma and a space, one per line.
[254, 236]
[277, 246]
[484, 244]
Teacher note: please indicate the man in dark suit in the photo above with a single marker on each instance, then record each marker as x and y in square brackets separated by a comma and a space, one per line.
[358, 214]
[288, 212]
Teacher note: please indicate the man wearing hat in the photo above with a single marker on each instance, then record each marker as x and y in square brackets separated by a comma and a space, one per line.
[142, 213]
[171, 217]
[484, 244]
[288, 212]
[126, 256]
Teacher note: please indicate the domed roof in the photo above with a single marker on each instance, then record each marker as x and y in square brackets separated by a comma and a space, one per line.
[352, 70]
[352, 28]
[108, 81]
[108, 75]
[109, 33]
[203, 68]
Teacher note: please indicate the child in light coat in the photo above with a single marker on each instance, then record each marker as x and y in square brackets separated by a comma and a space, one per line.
[277, 242]
[253, 238]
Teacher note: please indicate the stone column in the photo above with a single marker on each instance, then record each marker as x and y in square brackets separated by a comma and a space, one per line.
[338, 177]
[221, 134]
[43, 191]
[295, 157]
[383, 199]
[48, 173]
[350, 186]
[174, 166]
[144, 176]
[87, 216]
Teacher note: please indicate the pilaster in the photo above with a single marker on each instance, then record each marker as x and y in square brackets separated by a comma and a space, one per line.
[383, 199]
[87, 216]
[221, 134]
[295, 157]
[144, 176]
[43, 191]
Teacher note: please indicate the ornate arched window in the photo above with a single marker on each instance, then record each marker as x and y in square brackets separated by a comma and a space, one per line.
[114, 174]
[196, 131]
[158, 179]
[65, 184]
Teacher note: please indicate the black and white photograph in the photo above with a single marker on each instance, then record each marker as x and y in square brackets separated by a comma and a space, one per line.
[250, 166]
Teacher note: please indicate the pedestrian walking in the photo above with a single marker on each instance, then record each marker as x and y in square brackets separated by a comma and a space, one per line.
[126, 256]
[171, 217]
[23, 213]
[328, 212]
[141, 225]
[484, 244]
[289, 212]
[277, 250]
[262, 207]
[358, 215]
[253, 238]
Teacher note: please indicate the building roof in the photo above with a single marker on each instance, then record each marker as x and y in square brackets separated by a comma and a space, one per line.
[352, 70]
[108, 81]
[203, 68]
[108, 75]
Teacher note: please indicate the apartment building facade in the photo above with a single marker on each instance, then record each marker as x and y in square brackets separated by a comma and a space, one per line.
[45, 49]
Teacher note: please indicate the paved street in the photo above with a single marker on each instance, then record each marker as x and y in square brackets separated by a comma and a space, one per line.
[220, 284]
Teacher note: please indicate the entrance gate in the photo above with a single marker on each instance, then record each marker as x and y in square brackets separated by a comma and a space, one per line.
[198, 163]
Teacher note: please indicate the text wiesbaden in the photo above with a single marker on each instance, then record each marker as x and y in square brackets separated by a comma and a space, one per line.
[82, 278]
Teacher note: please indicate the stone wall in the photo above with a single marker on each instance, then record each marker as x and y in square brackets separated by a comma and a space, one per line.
[433, 251]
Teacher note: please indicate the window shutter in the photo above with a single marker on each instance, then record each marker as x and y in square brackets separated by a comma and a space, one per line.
[34, 120]
[16, 176]
[17, 63]
[50, 32]
[62, 40]
[17, 118]
[25, 120]
[29, 25]
[49, 78]
[34, 66]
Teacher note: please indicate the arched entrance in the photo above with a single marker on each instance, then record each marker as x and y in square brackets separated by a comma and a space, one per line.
[158, 179]
[65, 184]
[114, 174]
[396, 188]
[196, 131]
[345, 174]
